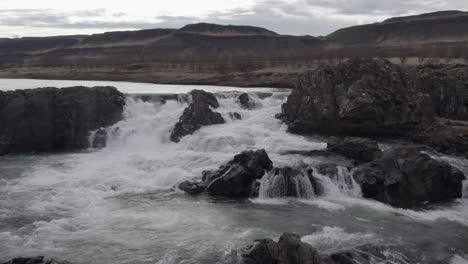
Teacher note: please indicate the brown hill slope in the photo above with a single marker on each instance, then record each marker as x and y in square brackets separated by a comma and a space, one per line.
[235, 55]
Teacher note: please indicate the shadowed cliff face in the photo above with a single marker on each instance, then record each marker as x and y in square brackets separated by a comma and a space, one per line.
[217, 54]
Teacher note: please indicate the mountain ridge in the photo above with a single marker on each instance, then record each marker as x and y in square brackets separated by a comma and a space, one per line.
[231, 54]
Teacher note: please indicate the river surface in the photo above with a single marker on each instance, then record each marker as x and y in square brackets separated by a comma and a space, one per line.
[118, 205]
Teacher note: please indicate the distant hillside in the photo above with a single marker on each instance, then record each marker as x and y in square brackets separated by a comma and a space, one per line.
[236, 55]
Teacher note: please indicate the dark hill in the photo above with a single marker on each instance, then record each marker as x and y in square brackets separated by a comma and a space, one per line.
[232, 55]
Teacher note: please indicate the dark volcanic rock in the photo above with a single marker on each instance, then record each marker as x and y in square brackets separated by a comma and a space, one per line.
[288, 250]
[198, 114]
[405, 177]
[444, 135]
[51, 119]
[448, 87]
[359, 97]
[359, 149]
[34, 260]
[246, 102]
[236, 179]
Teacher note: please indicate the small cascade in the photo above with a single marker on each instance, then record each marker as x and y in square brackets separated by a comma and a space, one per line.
[286, 182]
[337, 182]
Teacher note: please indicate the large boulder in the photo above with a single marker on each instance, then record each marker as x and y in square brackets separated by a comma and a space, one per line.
[51, 119]
[237, 178]
[288, 250]
[359, 149]
[197, 114]
[360, 97]
[407, 177]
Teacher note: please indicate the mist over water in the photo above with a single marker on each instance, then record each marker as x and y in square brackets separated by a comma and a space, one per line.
[118, 204]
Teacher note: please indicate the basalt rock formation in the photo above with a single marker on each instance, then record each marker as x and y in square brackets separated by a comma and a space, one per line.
[51, 119]
[407, 177]
[361, 97]
[197, 114]
[375, 98]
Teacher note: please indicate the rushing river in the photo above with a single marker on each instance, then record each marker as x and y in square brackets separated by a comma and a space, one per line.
[118, 204]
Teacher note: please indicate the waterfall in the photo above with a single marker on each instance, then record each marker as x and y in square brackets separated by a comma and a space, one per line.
[286, 182]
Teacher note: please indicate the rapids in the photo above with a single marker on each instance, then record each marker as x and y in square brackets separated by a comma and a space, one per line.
[118, 204]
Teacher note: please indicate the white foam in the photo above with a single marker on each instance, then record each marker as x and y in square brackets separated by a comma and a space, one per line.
[334, 239]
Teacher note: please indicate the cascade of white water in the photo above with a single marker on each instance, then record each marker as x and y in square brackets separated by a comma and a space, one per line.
[276, 184]
[340, 184]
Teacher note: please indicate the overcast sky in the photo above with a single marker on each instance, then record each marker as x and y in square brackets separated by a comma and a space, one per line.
[295, 17]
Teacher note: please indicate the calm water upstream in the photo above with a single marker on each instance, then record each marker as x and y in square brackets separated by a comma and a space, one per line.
[117, 205]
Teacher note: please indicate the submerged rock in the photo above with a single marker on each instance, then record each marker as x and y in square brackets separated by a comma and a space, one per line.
[235, 116]
[99, 139]
[405, 177]
[197, 114]
[359, 149]
[246, 102]
[288, 250]
[235, 179]
[360, 97]
[51, 119]
[34, 260]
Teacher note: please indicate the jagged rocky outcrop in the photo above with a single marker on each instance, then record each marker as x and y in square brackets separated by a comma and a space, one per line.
[373, 97]
[235, 179]
[51, 119]
[288, 250]
[361, 97]
[197, 114]
[35, 260]
[407, 177]
[359, 149]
